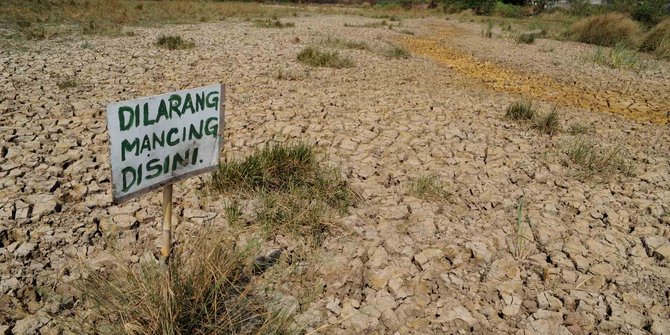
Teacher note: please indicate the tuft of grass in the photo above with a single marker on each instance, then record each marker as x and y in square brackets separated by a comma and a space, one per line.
[65, 84]
[618, 57]
[315, 57]
[488, 29]
[173, 42]
[605, 30]
[547, 123]
[233, 211]
[520, 249]
[577, 129]
[657, 40]
[406, 32]
[520, 110]
[594, 159]
[273, 23]
[296, 192]
[207, 289]
[525, 38]
[375, 24]
[396, 52]
[344, 44]
[429, 188]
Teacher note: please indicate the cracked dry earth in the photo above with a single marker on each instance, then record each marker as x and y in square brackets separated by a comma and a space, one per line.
[593, 260]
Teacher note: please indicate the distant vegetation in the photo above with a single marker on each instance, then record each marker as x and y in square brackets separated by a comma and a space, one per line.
[174, 42]
[314, 57]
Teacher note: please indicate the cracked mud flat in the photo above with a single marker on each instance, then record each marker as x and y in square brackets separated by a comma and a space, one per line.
[595, 257]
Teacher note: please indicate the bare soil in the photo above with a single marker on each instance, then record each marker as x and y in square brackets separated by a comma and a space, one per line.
[591, 255]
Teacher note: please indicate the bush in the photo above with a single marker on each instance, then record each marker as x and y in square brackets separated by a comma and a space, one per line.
[507, 10]
[481, 7]
[606, 30]
[658, 40]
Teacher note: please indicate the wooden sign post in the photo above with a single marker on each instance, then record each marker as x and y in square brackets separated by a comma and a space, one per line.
[159, 140]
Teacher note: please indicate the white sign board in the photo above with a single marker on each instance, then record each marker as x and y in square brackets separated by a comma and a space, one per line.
[158, 140]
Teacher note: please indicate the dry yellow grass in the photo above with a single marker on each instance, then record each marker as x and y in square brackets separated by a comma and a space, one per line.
[657, 40]
[606, 30]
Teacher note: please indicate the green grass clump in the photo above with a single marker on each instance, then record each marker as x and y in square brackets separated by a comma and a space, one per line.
[273, 23]
[174, 42]
[209, 291]
[344, 44]
[396, 52]
[618, 57]
[547, 123]
[577, 129]
[315, 57]
[525, 38]
[429, 188]
[605, 30]
[295, 191]
[375, 24]
[520, 110]
[593, 159]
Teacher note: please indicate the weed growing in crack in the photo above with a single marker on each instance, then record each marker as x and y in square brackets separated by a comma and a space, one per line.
[344, 44]
[296, 192]
[429, 188]
[577, 129]
[315, 57]
[593, 159]
[207, 290]
[547, 123]
[396, 52]
[273, 23]
[69, 83]
[520, 110]
[174, 42]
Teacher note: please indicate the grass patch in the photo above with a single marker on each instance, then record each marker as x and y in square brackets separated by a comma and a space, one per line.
[344, 44]
[547, 123]
[233, 211]
[207, 290]
[396, 52]
[65, 84]
[577, 129]
[375, 24]
[618, 57]
[406, 32]
[657, 40]
[520, 110]
[295, 191]
[605, 30]
[525, 38]
[488, 29]
[273, 23]
[315, 57]
[593, 159]
[173, 42]
[429, 188]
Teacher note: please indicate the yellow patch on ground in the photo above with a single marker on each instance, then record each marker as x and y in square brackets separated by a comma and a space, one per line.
[639, 105]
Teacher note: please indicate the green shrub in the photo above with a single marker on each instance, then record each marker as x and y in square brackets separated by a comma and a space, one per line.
[507, 10]
[481, 7]
[315, 57]
[606, 30]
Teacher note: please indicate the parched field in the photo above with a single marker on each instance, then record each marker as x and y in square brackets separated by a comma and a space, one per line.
[468, 221]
